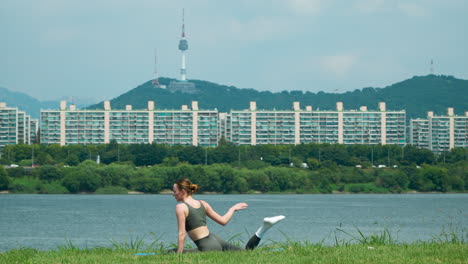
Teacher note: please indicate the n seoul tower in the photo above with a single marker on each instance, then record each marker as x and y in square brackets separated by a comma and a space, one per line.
[183, 46]
[183, 85]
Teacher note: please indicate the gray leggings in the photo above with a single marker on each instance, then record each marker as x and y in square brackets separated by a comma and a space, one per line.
[213, 242]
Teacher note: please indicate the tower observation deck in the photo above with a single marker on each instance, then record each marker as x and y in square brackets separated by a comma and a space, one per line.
[183, 85]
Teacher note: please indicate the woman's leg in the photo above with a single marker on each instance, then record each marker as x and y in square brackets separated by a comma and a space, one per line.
[267, 223]
[209, 243]
[225, 245]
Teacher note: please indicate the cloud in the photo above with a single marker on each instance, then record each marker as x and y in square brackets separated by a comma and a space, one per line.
[338, 65]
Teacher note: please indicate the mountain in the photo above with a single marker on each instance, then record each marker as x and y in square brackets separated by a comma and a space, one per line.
[416, 95]
[31, 105]
[22, 101]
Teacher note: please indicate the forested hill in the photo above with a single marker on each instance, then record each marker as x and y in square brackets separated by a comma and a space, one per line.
[416, 95]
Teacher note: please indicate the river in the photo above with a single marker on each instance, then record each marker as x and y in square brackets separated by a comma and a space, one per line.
[48, 221]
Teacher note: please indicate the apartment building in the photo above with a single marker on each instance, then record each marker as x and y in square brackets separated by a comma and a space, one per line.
[440, 133]
[297, 126]
[16, 126]
[185, 126]
[192, 126]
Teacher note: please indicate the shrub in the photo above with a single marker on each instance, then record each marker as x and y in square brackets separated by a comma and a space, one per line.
[53, 188]
[25, 185]
[112, 190]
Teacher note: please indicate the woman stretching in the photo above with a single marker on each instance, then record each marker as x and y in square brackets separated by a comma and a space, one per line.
[191, 218]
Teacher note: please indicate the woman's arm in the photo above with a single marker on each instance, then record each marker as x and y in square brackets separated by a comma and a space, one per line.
[181, 215]
[223, 220]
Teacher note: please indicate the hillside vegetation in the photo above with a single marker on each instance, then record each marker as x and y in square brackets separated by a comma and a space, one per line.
[416, 95]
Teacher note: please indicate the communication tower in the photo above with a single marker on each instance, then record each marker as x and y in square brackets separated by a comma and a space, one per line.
[156, 77]
[183, 46]
[183, 85]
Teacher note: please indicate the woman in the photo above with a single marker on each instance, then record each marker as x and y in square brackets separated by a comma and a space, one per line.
[191, 219]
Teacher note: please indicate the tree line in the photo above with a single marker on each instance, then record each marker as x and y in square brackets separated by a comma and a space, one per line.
[228, 168]
[226, 152]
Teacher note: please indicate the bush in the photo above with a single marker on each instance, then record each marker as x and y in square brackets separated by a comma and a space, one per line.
[4, 180]
[25, 185]
[395, 181]
[16, 172]
[363, 188]
[112, 190]
[53, 188]
[146, 184]
[81, 181]
[25, 163]
[49, 173]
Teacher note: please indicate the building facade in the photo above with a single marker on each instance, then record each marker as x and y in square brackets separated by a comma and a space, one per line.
[440, 133]
[192, 126]
[174, 127]
[298, 126]
[16, 126]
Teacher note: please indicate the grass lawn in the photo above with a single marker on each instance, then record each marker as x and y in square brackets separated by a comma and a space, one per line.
[293, 253]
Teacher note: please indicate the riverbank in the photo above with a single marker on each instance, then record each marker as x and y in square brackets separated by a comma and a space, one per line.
[292, 253]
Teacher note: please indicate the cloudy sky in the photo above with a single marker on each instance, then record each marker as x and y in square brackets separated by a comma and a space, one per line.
[100, 49]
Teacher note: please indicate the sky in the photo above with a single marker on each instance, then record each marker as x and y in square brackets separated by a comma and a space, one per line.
[100, 49]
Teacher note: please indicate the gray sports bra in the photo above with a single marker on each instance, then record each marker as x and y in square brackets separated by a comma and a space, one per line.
[196, 217]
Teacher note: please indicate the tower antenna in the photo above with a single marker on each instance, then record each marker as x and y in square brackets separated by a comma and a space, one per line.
[432, 66]
[156, 77]
[183, 23]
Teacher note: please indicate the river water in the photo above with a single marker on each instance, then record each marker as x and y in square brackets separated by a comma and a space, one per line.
[48, 221]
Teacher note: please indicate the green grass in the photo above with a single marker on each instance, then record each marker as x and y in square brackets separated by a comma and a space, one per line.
[448, 247]
[294, 253]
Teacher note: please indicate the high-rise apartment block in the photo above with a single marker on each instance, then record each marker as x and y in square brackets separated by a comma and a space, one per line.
[16, 126]
[440, 133]
[297, 126]
[192, 126]
[185, 126]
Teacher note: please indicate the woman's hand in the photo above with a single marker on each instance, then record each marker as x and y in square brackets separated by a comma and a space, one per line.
[240, 206]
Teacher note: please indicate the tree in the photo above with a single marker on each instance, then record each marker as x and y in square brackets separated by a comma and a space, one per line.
[4, 180]
[191, 154]
[437, 176]
[393, 180]
[16, 172]
[146, 181]
[43, 158]
[49, 173]
[83, 178]
[258, 181]
[418, 156]
[313, 163]
[225, 153]
[115, 174]
[72, 160]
